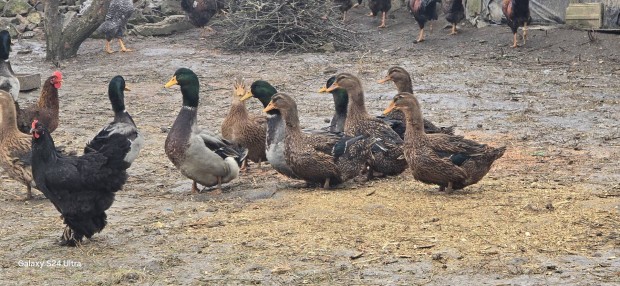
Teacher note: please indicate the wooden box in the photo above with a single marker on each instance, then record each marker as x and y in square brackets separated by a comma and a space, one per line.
[584, 15]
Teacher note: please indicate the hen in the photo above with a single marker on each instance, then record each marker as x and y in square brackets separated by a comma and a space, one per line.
[45, 110]
[454, 11]
[8, 80]
[115, 23]
[81, 188]
[122, 124]
[517, 13]
[14, 146]
[377, 6]
[200, 12]
[423, 11]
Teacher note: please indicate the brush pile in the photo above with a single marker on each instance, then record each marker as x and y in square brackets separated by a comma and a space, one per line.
[284, 26]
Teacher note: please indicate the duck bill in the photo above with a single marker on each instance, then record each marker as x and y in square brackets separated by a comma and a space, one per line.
[333, 87]
[270, 107]
[172, 82]
[247, 95]
[323, 89]
[126, 89]
[384, 80]
[389, 108]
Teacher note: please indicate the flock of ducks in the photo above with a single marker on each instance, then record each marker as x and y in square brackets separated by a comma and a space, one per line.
[355, 143]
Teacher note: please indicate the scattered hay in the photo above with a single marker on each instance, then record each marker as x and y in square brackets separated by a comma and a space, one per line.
[285, 26]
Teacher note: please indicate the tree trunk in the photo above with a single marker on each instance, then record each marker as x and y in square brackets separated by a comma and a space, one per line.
[64, 43]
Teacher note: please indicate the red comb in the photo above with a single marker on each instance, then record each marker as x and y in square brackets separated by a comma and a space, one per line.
[34, 124]
[58, 75]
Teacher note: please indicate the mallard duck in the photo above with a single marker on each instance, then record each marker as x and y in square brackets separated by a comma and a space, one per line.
[454, 11]
[517, 13]
[275, 132]
[15, 147]
[318, 159]
[403, 82]
[341, 101]
[449, 161]
[387, 161]
[244, 129]
[423, 11]
[122, 124]
[8, 80]
[201, 156]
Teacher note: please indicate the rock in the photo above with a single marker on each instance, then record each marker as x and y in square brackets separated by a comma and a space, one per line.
[67, 17]
[137, 18]
[170, 25]
[15, 7]
[70, 2]
[328, 48]
[153, 18]
[34, 17]
[2, 4]
[171, 7]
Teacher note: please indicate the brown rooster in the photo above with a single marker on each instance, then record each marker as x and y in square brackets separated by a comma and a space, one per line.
[45, 110]
[423, 11]
[517, 13]
[15, 148]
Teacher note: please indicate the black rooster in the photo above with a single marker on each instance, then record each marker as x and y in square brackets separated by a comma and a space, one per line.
[454, 11]
[377, 6]
[200, 12]
[517, 13]
[81, 188]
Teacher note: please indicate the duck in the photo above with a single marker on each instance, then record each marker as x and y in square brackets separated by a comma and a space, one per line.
[423, 11]
[8, 80]
[314, 158]
[275, 128]
[450, 161]
[341, 101]
[387, 161]
[244, 129]
[403, 82]
[199, 155]
[15, 147]
[454, 11]
[122, 124]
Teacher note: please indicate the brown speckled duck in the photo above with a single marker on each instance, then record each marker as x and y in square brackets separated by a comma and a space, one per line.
[388, 161]
[327, 160]
[403, 82]
[452, 162]
[245, 129]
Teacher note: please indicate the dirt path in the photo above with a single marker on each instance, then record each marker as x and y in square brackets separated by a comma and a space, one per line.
[547, 213]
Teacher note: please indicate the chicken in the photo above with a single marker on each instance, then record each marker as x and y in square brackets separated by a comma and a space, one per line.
[81, 188]
[45, 110]
[517, 13]
[115, 23]
[377, 6]
[122, 124]
[423, 11]
[14, 146]
[454, 11]
[343, 6]
[200, 12]
[8, 80]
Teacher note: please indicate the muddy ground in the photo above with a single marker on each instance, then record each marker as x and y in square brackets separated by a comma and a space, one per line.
[546, 214]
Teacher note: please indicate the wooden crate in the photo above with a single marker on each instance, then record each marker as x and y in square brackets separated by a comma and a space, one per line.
[583, 15]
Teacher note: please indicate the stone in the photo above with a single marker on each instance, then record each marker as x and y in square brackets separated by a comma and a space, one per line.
[171, 7]
[169, 26]
[67, 17]
[2, 4]
[137, 18]
[34, 17]
[15, 7]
